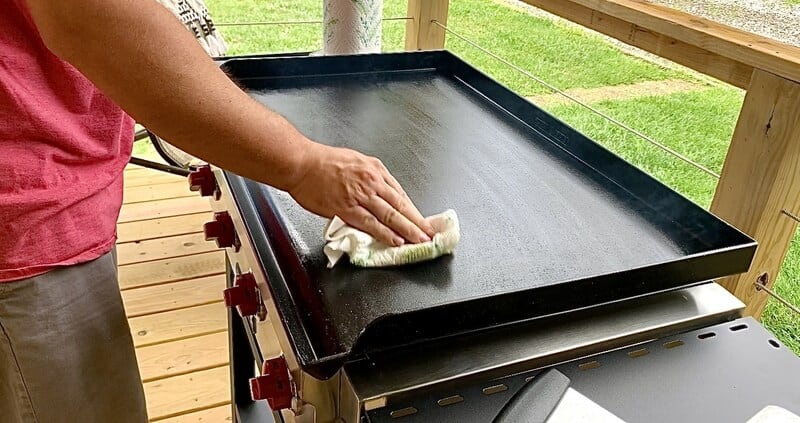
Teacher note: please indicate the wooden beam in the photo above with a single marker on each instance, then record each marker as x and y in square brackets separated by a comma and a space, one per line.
[714, 49]
[760, 178]
[421, 32]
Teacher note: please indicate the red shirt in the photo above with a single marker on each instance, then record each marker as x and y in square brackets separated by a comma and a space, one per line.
[63, 148]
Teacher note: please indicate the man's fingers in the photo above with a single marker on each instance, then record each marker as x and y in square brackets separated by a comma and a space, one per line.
[394, 219]
[400, 202]
[364, 220]
[389, 178]
[403, 203]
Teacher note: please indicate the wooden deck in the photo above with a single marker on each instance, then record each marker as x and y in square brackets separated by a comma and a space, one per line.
[171, 281]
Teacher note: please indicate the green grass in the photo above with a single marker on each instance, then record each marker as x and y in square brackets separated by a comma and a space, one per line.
[698, 124]
[268, 39]
[144, 149]
[777, 318]
[565, 57]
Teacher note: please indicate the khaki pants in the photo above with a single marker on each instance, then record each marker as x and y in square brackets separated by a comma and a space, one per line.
[66, 353]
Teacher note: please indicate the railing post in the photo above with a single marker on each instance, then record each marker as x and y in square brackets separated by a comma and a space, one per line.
[760, 178]
[421, 33]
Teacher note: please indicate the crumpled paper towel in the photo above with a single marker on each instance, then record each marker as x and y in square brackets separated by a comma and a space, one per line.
[366, 251]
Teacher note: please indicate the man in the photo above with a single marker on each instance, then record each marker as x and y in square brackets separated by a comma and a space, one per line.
[68, 69]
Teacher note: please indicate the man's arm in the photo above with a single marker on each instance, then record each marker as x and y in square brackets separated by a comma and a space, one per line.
[138, 54]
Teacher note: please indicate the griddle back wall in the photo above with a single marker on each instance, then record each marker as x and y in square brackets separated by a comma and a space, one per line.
[270, 75]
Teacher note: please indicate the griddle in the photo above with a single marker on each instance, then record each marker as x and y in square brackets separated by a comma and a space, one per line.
[551, 221]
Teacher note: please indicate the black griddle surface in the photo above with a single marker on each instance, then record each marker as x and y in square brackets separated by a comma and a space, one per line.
[550, 221]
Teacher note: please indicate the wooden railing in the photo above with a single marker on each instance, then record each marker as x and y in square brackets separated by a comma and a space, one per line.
[761, 175]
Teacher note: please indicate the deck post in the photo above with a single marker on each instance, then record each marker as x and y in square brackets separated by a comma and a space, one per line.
[421, 32]
[761, 178]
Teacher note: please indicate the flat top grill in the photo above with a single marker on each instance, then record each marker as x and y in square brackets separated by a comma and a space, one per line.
[551, 222]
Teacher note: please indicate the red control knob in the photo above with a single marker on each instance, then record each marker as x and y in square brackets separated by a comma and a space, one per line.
[221, 230]
[244, 295]
[203, 180]
[274, 384]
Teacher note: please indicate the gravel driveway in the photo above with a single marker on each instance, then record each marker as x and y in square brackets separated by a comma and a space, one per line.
[775, 19]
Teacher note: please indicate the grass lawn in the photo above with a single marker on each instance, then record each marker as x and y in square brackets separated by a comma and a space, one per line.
[561, 54]
[698, 123]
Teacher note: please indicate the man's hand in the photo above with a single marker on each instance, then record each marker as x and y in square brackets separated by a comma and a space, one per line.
[141, 57]
[360, 190]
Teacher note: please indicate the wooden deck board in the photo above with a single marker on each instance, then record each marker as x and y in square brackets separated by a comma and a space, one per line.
[171, 281]
[163, 208]
[162, 248]
[187, 393]
[184, 356]
[172, 269]
[173, 296]
[215, 415]
[162, 227]
[166, 191]
[150, 177]
[178, 324]
[134, 167]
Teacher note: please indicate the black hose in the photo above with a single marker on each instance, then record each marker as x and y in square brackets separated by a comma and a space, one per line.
[160, 166]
